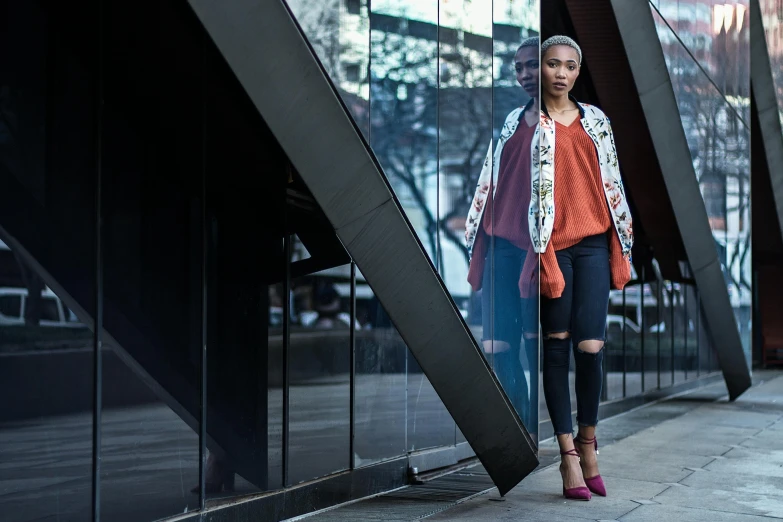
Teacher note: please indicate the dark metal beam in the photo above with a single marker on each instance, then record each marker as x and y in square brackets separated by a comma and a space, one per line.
[265, 48]
[766, 106]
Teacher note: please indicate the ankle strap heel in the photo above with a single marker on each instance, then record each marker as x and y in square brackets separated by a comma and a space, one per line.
[572, 453]
[594, 484]
[593, 441]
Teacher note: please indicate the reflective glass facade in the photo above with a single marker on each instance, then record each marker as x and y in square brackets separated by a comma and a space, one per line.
[180, 325]
[430, 84]
[707, 49]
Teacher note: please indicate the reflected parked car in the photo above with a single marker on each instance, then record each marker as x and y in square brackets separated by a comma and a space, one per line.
[13, 303]
[614, 324]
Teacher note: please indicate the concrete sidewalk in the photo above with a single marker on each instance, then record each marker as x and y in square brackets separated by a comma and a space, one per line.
[718, 462]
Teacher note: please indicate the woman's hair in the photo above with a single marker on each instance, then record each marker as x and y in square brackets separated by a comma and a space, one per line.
[561, 40]
[529, 42]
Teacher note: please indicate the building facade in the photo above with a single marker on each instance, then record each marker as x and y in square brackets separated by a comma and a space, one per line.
[233, 270]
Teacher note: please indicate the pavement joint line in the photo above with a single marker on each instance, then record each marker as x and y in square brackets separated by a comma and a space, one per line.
[645, 502]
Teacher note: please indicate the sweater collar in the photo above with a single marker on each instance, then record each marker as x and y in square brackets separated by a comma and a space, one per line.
[570, 97]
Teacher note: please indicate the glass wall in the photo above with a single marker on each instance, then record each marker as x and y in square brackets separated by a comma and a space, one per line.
[47, 235]
[706, 44]
[150, 223]
[435, 81]
[151, 288]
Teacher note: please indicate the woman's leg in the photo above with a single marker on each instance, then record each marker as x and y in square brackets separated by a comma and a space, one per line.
[502, 320]
[530, 352]
[556, 327]
[591, 303]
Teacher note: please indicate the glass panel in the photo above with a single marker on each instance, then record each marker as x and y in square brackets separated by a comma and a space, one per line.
[617, 326]
[152, 189]
[245, 295]
[339, 32]
[464, 92]
[404, 102]
[713, 96]
[319, 373]
[679, 333]
[664, 330]
[704, 345]
[380, 418]
[692, 341]
[48, 70]
[503, 248]
[429, 423]
[404, 137]
[632, 324]
[650, 336]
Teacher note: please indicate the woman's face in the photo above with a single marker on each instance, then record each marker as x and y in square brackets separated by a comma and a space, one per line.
[526, 67]
[561, 68]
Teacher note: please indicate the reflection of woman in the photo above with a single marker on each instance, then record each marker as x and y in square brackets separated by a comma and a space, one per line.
[582, 228]
[499, 241]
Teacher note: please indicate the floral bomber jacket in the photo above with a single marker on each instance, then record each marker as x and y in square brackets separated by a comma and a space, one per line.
[541, 213]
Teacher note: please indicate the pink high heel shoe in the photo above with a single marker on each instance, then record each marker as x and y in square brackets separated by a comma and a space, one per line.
[577, 493]
[594, 484]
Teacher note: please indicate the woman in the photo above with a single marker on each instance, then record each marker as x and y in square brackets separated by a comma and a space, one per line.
[581, 226]
[499, 242]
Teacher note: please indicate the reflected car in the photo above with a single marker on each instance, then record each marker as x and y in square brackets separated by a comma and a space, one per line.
[616, 322]
[13, 304]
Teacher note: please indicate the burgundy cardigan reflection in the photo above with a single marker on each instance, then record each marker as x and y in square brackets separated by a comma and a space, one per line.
[506, 213]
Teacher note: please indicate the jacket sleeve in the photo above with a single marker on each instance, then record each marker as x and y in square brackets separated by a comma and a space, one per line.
[479, 198]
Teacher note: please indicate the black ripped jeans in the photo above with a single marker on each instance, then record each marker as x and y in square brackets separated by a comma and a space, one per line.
[580, 311]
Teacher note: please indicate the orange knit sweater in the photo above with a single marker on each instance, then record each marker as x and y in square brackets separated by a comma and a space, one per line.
[581, 208]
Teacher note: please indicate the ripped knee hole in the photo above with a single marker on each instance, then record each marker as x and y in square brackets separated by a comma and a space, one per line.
[591, 346]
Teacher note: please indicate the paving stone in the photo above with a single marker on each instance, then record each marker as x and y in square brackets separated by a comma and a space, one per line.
[659, 512]
[730, 467]
[740, 482]
[722, 500]
[755, 454]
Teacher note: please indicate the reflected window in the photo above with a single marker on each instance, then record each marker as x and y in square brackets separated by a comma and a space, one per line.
[353, 7]
[11, 306]
[352, 72]
[49, 310]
